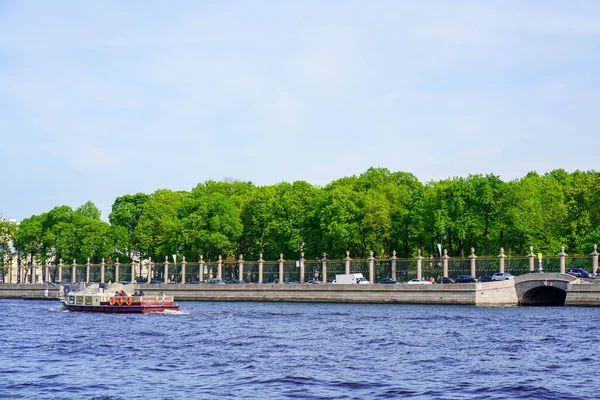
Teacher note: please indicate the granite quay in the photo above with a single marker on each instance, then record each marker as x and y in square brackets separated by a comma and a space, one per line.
[540, 289]
[550, 285]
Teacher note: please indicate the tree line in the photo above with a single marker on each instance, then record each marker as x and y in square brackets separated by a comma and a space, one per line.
[379, 211]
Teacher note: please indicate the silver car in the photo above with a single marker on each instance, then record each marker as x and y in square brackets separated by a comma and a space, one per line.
[502, 276]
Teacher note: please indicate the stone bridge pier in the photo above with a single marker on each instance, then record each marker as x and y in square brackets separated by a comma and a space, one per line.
[543, 289]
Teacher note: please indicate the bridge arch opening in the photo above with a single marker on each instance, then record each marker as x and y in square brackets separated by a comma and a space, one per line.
[544, 296]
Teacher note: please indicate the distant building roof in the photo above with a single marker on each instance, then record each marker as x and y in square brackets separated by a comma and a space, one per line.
[12, 221]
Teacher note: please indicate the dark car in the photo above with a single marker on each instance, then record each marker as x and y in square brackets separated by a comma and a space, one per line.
[124, 282]
[486, 279]
[465, 279]
[579, 272]
[315, 282]
[156, 282]
[389, 281]
[444, 280]
[235, 282]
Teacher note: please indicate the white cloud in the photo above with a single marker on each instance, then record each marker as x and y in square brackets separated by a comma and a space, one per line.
[144, 95]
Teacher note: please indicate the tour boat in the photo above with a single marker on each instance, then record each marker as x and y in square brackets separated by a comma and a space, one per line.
[112, 303]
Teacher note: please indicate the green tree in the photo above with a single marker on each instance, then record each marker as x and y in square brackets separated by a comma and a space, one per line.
[156, 231]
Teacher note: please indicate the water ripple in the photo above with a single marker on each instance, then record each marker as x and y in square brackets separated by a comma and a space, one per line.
[299, 351]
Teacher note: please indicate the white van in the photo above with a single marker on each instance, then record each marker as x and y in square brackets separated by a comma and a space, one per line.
[350, 279]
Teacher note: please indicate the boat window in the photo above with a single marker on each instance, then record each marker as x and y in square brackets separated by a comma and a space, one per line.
[71, 299]
[79, 300]
[88, 301]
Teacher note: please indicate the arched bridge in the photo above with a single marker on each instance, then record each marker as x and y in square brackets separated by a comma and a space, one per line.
[543, 289]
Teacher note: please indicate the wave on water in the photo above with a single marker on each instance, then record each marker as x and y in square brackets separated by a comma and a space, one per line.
[169, 312]
[302, 351]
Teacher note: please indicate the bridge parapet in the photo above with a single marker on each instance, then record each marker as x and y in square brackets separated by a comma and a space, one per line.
[541, 277]
[543, 288]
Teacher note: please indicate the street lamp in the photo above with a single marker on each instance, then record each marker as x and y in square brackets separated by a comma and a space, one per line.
[301, 263]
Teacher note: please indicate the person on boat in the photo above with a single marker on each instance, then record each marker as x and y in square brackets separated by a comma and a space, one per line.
[136, 293]
[164, 298]
[122, 293]
[141, 293]
[117, 293]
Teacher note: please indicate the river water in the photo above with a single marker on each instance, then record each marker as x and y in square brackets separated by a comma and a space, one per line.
[300, 351]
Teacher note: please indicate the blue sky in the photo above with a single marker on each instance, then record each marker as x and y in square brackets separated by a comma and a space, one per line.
[102, 99]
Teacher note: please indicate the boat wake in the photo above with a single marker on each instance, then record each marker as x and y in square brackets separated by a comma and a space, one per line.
[170, 312]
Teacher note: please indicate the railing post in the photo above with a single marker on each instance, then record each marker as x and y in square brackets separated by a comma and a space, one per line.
[473, 258]
[501, 258]
[150, 266]
[347, 262]
[563, 257]
[183, 264]
[132, 265]
[60, 267]
[87, 270]
[531, 259]
[281, 260]
[9, 270]
[201, 268]
[241, 268]
[220, 267]
[260, 268]
[446, 258]
[166, 270]
[117, 265]
[394, 264]
[371, 268]
[419, 264]
[74, 271]
[324, 267]
[595, 260]
[102, 271]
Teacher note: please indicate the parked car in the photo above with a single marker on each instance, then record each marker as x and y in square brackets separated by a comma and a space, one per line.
[502, 276]
[465, 279]
[389, 281]
[315, 282]
[444, 280]
[124, 282]
[196, 283]
[235, 282]
[418, 282]
[486, 279]
[216, 281]
[291, 283]
[156, 282]
[579, 272]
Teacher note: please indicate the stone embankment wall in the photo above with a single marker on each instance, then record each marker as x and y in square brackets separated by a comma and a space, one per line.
[33, 291]
[481, 294]
[583, 294]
